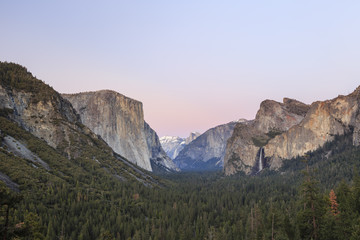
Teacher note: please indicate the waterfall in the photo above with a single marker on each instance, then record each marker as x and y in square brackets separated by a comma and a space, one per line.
[261, 159]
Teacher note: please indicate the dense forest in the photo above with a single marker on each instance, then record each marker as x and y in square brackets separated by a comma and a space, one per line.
[317, 197]
[99, 195]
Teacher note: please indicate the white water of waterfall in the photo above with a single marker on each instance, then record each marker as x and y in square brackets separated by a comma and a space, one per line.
[260, 160]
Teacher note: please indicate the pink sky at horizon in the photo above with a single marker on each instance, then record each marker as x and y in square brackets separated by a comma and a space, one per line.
[165, 114]
[193, 65]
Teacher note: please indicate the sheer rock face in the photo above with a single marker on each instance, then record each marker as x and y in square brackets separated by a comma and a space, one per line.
[323, 121]
[192, 137]
[53, 120]
[206, 151]
[273, 118]
[299, 128]
[119, 120]
[158, 158]
[45, 114]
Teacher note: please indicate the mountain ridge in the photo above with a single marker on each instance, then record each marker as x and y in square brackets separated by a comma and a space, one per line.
[293, 132]
[206, 152]
[44, 132]
[173, 145]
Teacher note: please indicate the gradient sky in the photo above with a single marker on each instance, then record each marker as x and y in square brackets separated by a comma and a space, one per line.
[193, 64]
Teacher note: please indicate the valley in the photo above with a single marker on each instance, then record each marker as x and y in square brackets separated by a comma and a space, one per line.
[88, 166]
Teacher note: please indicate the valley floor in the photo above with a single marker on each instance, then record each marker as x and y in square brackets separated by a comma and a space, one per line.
[288, 204]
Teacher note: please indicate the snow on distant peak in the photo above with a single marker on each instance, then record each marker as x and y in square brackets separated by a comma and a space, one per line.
[172, 145]
[169, 139]
[241, 120]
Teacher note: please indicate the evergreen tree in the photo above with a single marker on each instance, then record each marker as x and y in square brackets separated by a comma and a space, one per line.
[312, 209]
[333, 203]
[8, 202]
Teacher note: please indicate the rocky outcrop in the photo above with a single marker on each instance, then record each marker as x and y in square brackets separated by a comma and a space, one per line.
[207, 151]
[173, 145]
[158, 158]
[322, 122]
[284, 131]
[40, 118]
[39, 109]
[273, 118]
[41, 130]
[192, 137]
[9, 183]
[43, 112]
[119, 120]
[19, 149]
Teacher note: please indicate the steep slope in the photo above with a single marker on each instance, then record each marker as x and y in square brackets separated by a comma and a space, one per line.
[207, 151]
[42, 138]
[321, 124]
[159, 159]
[192, 136]
[310, 129]
[119, 120]
[37, 107]
[244, 151]
[173, 145]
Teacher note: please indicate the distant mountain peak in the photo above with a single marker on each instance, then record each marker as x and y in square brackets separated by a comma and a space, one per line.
[241, 120]
[174, 144]
[207, 151]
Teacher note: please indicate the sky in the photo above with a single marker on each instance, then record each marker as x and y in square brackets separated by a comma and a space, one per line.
[193, 64]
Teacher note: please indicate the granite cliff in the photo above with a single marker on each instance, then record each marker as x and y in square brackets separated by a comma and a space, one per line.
[192, 136]
[42, 138]
[207, 151]
[39, 109]
[322, 122]
[119, 120]
[290, 129]
[244, 147]
[159, 159]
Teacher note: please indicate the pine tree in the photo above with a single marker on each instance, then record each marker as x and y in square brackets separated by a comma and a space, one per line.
[356, 192]
[333, 203]
[32, 226]
[347, 215]
[356, 232]
[8, 201]
[310, 216]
